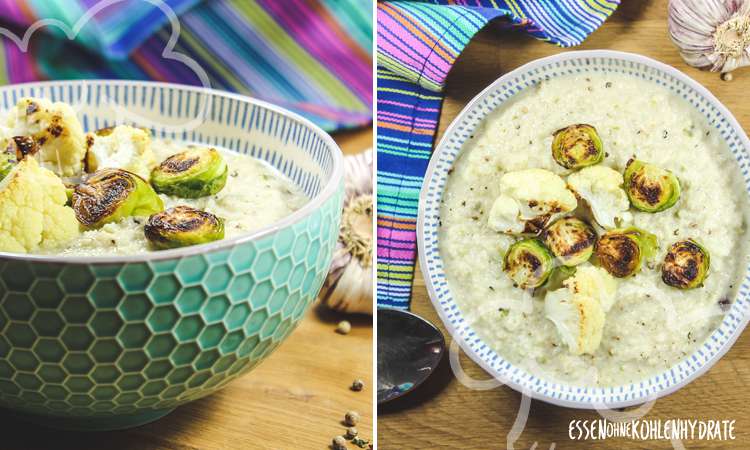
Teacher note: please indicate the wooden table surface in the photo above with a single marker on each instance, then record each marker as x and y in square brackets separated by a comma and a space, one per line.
[444, 413]
[296, 399]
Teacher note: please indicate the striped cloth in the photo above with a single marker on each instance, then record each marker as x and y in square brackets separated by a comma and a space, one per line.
[311, 56]
[417, 44]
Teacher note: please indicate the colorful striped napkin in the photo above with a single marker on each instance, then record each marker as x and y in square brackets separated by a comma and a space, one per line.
[310, 56]
[418, 43]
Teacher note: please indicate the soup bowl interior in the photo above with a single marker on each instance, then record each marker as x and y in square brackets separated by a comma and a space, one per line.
[111, 342]
[457, 321]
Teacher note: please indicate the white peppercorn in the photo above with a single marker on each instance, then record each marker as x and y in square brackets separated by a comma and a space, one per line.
[339, 443]
[344, 327]
[351, 418]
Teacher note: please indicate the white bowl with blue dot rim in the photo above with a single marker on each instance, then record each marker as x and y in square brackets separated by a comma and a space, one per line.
[463, 126]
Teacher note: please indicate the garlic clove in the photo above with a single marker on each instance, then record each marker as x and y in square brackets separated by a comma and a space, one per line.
[348, 287]
[352, 292]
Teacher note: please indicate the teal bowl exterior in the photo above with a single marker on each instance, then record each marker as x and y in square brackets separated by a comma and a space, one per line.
[111, 343]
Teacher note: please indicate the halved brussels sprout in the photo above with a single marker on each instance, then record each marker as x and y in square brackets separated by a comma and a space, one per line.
[685, 265]
[108, 195]
[577, 146]
[196, 172]
[7, 162]
[69, 190]
[650, 188]
[528, 263]
[622, 251]
[571, 240]
[182, 226]
[22, 146]
[558, 277]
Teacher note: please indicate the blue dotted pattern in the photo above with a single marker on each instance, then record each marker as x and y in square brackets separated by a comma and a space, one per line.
[229, 112]
[716, 115]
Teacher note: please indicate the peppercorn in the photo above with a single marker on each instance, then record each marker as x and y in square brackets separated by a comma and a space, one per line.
[358, 385]
[351, 433]
[344, 327]
[351, 418]
[339, 443]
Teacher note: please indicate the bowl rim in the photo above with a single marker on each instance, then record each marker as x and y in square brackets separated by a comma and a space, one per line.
[425, 263]
[313, 204]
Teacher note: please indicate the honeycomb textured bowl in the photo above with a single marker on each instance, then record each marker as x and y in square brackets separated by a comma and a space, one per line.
[114, 342]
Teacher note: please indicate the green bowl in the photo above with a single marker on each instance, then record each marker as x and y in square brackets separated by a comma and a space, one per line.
[114, 342]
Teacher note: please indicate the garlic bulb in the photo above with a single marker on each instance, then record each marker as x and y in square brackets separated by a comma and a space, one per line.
[348, 287]
[711, 34]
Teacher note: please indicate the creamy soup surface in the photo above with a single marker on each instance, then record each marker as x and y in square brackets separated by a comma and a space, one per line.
[651, 326]
[255, 195]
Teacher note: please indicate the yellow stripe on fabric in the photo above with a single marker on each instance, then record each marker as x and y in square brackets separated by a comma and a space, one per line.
[406, 72]
[515, 8]
[391, 77]
[277, 36]
[198, 48]
[597, 8]
[410, 93]
[396, 268]
[398, 276]
[3, 71]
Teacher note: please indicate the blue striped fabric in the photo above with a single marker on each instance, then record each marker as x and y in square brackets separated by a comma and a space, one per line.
[418, 43]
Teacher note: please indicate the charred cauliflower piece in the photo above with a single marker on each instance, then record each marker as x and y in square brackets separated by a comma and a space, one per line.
[529, 200]
[601, 187]
[578, 309]
[120, 147]
[33, 215]
[594, 282]
[55, 131]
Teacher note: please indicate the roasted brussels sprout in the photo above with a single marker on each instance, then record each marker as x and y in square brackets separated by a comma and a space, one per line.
[196, 172]
[22, 146]
[528, 263]
[182, 226]
[7, 162]
[558, 277]
[650, 188]
[108, 195]
[577, 146]
[685, 265]
[69, 190]
[571, 240]
[622, 251]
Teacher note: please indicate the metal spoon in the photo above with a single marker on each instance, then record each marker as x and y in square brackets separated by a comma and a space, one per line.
[409, 350]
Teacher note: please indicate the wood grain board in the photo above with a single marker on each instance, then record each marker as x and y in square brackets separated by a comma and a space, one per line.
[444, 413]
[296, 399]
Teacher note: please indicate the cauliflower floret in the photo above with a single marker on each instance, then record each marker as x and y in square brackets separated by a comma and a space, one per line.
[601, 187]
[121, 147]
[54, 128]
[579, 320]
[33, 214]
[529, 199]
[594, 282]
[578, 309]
